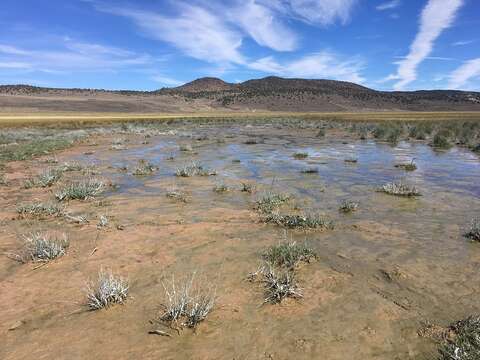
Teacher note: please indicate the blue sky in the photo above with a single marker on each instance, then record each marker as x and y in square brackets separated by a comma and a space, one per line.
[149, 44]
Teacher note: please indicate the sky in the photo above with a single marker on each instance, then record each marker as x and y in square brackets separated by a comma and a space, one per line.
[150, 44]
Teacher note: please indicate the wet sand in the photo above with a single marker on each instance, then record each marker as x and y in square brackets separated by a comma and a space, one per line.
[383, 273]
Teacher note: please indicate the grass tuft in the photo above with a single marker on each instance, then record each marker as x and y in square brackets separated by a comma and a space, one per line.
[309, 170]
[465, 342]
[288, 254]
[193, 170]
[81, 190]
[348, 206]
[411, 166]
[109, 289]
[45, 179]
[144, 168]
[473, 232]
[40, 209]
[186, 304]
[221, 188]
[43, 247]
[300, 155]
[248, 187]
[400, 189]
[305, 221]
[177, 195]
[102, 222]
[278, 284]
[271, 201]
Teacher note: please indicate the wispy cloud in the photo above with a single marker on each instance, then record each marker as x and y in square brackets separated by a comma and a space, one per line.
[437, 16]
[461, 76]
[319, 65]
[463, 42]
[69, 56]
[14, 65]
[318, 12]
[388, 5]
[168, 81]
[194, 30]
[262, 24]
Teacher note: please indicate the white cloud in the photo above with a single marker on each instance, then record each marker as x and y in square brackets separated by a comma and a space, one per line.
[463, 42]
[14, 65]
[263, 26]
[165, 80]
[318, 65]
[437, 16]
[11, 50]
[195, 31]
[322, 12]
[468, 71]
[70, 56]
[388, 5]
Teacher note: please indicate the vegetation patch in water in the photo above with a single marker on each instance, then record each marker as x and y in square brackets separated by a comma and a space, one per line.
[271, 201]
[348, 206]
[305, 221]
[464, 342]
[400, 189]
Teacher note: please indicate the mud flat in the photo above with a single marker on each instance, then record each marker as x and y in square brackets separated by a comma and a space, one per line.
[387, 278]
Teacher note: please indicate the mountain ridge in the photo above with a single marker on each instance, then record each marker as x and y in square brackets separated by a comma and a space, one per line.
[269, 93]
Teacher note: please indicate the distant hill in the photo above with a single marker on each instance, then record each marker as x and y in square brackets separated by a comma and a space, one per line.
[205, 84]
[270, 93]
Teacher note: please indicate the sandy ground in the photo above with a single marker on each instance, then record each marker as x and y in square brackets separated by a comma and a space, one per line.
[382, 274]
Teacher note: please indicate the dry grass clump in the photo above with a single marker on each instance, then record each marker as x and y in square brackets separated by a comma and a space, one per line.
[144, 168]
[278, 283]
[193, 170]
[464, 344]
[288, 254]
[304, 221]
[103, 222]
[109, 289]
[271, 201]
[44, 179]
[348, 206]
[473, 232]
[39, 209]
[300, 155]
[187, 303]
[81, 190]
[43, 247]
[400, 189]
